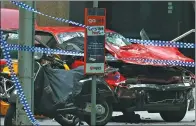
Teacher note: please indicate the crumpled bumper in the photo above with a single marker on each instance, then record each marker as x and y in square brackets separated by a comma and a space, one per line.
[131, 91]
[169, 87]
[154, 97]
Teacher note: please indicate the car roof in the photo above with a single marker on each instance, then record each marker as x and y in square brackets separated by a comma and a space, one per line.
[10, 21]
[57, 30]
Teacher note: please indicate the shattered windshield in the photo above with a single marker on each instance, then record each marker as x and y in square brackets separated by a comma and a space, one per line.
[77, 38]
[63, 37]
[116, 39]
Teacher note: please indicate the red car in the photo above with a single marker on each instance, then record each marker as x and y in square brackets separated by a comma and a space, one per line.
[144, 86]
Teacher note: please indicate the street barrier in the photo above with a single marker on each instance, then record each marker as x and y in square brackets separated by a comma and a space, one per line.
[6, 47]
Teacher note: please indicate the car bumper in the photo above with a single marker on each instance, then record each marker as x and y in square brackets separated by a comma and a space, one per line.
[152, 97]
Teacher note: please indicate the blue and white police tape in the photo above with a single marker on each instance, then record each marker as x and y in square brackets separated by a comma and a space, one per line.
[22, 98]
[144, 42]
[43, 50]
[64, 52]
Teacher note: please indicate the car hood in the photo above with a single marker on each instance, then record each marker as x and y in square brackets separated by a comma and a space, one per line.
[126, 53]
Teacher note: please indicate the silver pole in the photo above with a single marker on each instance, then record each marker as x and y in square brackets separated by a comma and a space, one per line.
[2, 4]
[26, 65]
[183, 35]
[93, 101]
[94, 86]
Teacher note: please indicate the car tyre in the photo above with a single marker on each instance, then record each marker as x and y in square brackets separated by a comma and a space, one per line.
[102, 121]
[174, 116]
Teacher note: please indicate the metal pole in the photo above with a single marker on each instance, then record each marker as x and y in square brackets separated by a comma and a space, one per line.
[93, 101]
[183, 35]
[2, 4]
[94, 86]
[26, 65]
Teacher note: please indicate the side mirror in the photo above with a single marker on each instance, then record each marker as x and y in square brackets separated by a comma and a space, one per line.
[37, 55]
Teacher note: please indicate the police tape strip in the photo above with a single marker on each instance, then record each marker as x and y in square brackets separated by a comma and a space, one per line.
[22, 98]
[43, 50]
[144, 42]
[64, 52]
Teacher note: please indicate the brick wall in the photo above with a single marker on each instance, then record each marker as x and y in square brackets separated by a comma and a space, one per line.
[53, 8]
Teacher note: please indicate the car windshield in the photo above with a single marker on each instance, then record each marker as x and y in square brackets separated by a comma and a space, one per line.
[77, 38]
[116, 39]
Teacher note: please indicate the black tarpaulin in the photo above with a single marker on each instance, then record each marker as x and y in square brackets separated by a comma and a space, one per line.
[54, 86]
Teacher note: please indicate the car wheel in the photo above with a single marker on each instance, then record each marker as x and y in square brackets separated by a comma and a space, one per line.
[174, 116]
[103, 118]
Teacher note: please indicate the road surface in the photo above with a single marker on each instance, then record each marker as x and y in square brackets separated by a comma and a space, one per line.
[148, 119]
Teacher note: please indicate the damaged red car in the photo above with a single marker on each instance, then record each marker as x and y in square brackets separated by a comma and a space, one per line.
[140, 86]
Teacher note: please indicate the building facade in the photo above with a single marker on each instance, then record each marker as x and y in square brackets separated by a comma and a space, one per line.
[53, 8]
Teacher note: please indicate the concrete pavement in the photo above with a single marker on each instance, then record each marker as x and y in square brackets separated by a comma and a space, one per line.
[150, 119]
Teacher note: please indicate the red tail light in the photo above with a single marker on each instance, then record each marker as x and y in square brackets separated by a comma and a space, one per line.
[2, 64]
